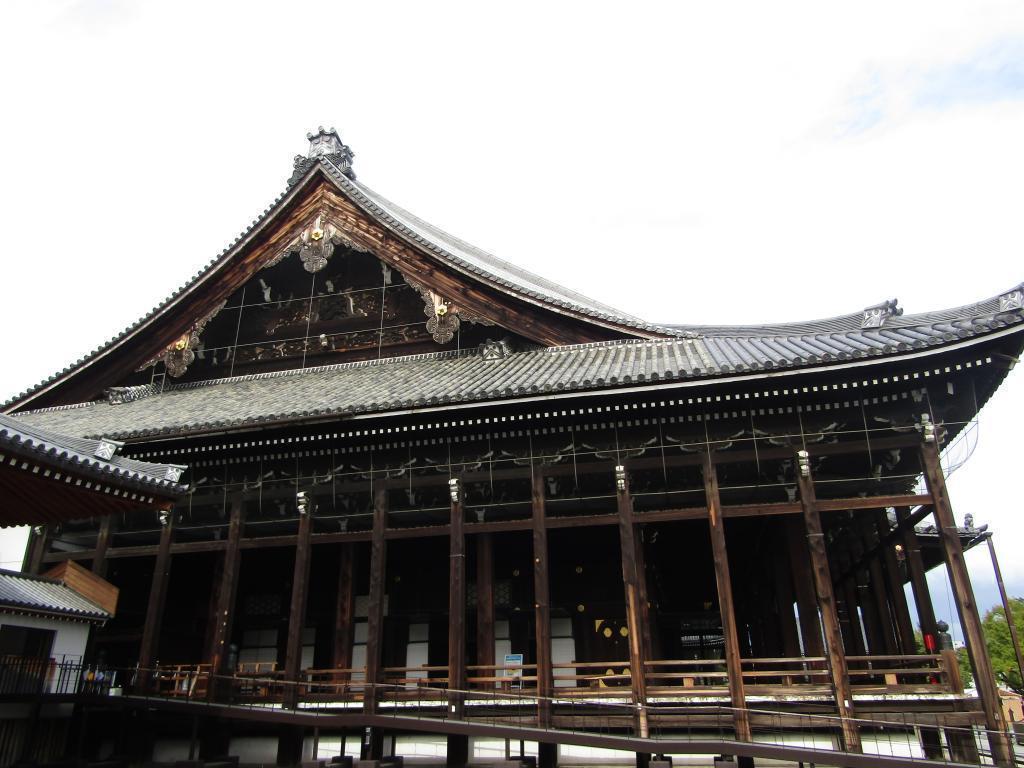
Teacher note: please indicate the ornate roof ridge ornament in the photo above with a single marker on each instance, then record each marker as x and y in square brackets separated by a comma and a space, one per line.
[1012, 300]
[876, 315]
[327, 144]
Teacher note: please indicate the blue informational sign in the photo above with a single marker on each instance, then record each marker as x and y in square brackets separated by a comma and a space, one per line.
[514, 660]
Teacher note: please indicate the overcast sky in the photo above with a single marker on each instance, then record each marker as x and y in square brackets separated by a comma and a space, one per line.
[697, 163]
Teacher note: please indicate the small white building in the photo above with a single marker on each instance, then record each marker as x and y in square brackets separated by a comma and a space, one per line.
[45, 623]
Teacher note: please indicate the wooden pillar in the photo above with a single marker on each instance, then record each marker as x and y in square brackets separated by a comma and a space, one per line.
[647, 621]
[847, 596]
[345, 608]
[541, 601]
[224, 612]
[889, 631]
[485, 603]
[826, 604]
[733, 663]
[99, 560]
[1011, 623]
[38, 543]
[803, 584]
[784, 600]
[919, 584]
[375, 609]
[157, 594]
[873, 629]
[967, 609]
[456, 599]
[634, 616]
[894, 583]
[297, 608]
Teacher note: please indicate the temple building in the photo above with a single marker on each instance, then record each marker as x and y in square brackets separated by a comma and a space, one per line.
[433, 498]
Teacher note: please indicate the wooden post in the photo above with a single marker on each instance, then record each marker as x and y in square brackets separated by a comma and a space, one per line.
[226, 593]
[456, 600]
[647, 621]
[485, 602]
[894, 583]
[157, 595]
[784, 600]
[99, 560]
[873, 629]
[1007, 608]
[847, 602]
[803, 584]
[826, 604]
[634, 621]
[967, 609]
[375, 609]
[733, 662]
[297, 609]
[541, 601]
[344, 612]
[879, 602]
[919, 584]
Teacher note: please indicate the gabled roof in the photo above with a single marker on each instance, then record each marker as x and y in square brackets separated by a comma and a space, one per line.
[424, 381]
[86, 457]
[39, 595]
[444, 248]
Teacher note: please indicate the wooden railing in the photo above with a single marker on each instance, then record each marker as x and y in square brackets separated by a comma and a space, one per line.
[518, 676]
[667, 677]
[182, 680]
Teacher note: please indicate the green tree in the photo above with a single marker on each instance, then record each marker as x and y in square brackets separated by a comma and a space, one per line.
[964, 662]
[1000, 648]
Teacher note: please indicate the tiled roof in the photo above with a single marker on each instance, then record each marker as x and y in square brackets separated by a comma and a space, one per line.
[447, 378]
[37, 594]
[85, 456]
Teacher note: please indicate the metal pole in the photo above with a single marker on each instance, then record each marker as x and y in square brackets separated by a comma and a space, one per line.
[1006, 608]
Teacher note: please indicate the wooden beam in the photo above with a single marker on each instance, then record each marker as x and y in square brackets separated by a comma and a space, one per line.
[723, 581]
[541, 601]
[634, 613]
[99, 560]
[803, 583]
[502, 526]
[157, 595]
[375, 615]
[485, 599]
[345, 608]
[894, 582]
[967, 609]
[1011, 623]
[227, 591]
[456, 601]
[297, 608]
[35, 552]
[827, 605]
